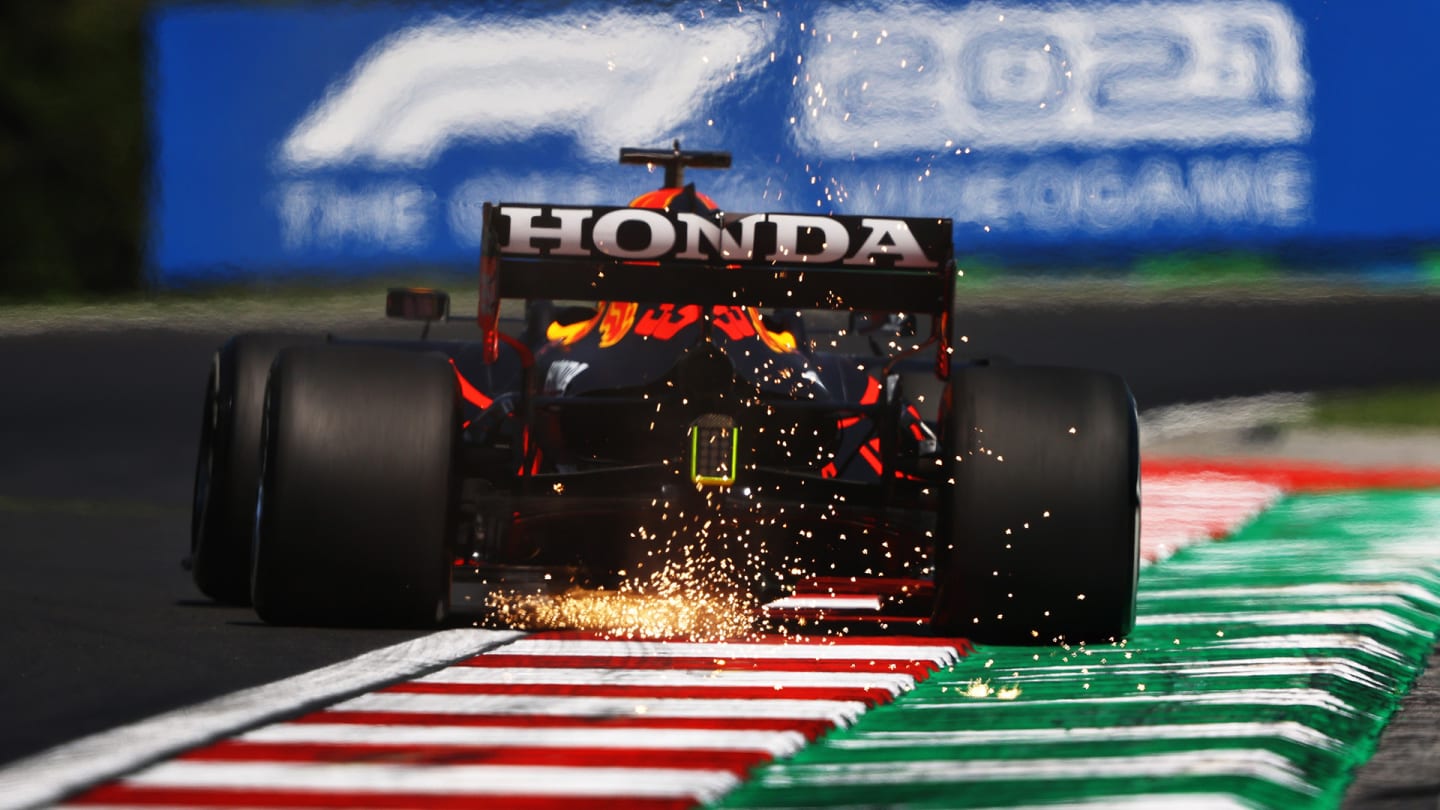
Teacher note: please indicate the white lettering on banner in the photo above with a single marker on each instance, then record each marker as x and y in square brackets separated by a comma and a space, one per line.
[1108, 119]
[1026, 77]
[465, 205]
[388, 215]
[1101, 195]
[618, 79]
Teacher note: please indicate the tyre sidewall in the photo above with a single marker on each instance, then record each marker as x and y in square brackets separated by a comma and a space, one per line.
[1038, 536]
[359, 488]
[228, 464]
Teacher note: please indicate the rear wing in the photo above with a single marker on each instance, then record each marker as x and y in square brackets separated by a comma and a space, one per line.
[804, 261]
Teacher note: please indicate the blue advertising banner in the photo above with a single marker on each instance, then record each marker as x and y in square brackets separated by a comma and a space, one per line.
[344, 139]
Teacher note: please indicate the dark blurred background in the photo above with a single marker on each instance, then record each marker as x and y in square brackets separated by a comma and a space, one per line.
[73, 147]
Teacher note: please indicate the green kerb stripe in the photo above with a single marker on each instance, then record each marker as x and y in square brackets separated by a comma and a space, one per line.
[1261, 674]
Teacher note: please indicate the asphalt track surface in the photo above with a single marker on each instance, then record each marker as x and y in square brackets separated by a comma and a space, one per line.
[97, 444]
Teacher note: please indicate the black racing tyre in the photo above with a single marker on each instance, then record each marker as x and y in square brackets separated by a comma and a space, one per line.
[359, 488]
[227, 470]
[1038, 539]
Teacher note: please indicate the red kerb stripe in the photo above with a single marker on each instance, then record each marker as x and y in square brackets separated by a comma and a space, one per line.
[1299, 476]
[918, 669]
[810, 728]
[870, 697]
[737, 762]
[200, 797]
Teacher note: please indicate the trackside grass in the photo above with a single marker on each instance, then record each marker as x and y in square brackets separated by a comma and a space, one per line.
[1401, 407]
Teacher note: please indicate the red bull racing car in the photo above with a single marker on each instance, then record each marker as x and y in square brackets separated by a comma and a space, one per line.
[349, 482]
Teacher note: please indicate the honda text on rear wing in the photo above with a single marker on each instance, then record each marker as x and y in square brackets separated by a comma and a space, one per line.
[801, 261]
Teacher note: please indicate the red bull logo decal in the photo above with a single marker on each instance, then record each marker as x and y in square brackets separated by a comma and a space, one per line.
[615, 319]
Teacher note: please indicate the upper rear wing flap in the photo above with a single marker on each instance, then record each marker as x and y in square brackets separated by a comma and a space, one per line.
[764, 260]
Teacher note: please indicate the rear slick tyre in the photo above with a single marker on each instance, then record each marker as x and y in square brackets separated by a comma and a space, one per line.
[227, 471]
[1038, 539]
[358, 488]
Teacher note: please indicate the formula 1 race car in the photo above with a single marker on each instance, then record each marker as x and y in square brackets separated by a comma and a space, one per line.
[348, 482]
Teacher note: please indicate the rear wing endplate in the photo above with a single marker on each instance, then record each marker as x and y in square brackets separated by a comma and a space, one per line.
[802, 261]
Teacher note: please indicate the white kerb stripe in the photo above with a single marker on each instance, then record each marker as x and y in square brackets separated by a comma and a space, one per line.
[1254, 668]
[1259, 764]
[1408, 590]
[940, 655]
[775, 743]
[437, 780]
[1351, 643]
[1137, 801]
[1309, 698]
[1142, 801]
[825, 603]
[45, 777]
[836, 711]
[887, 681]
[1287, 730]
[1378, 619]
[1381, 601]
